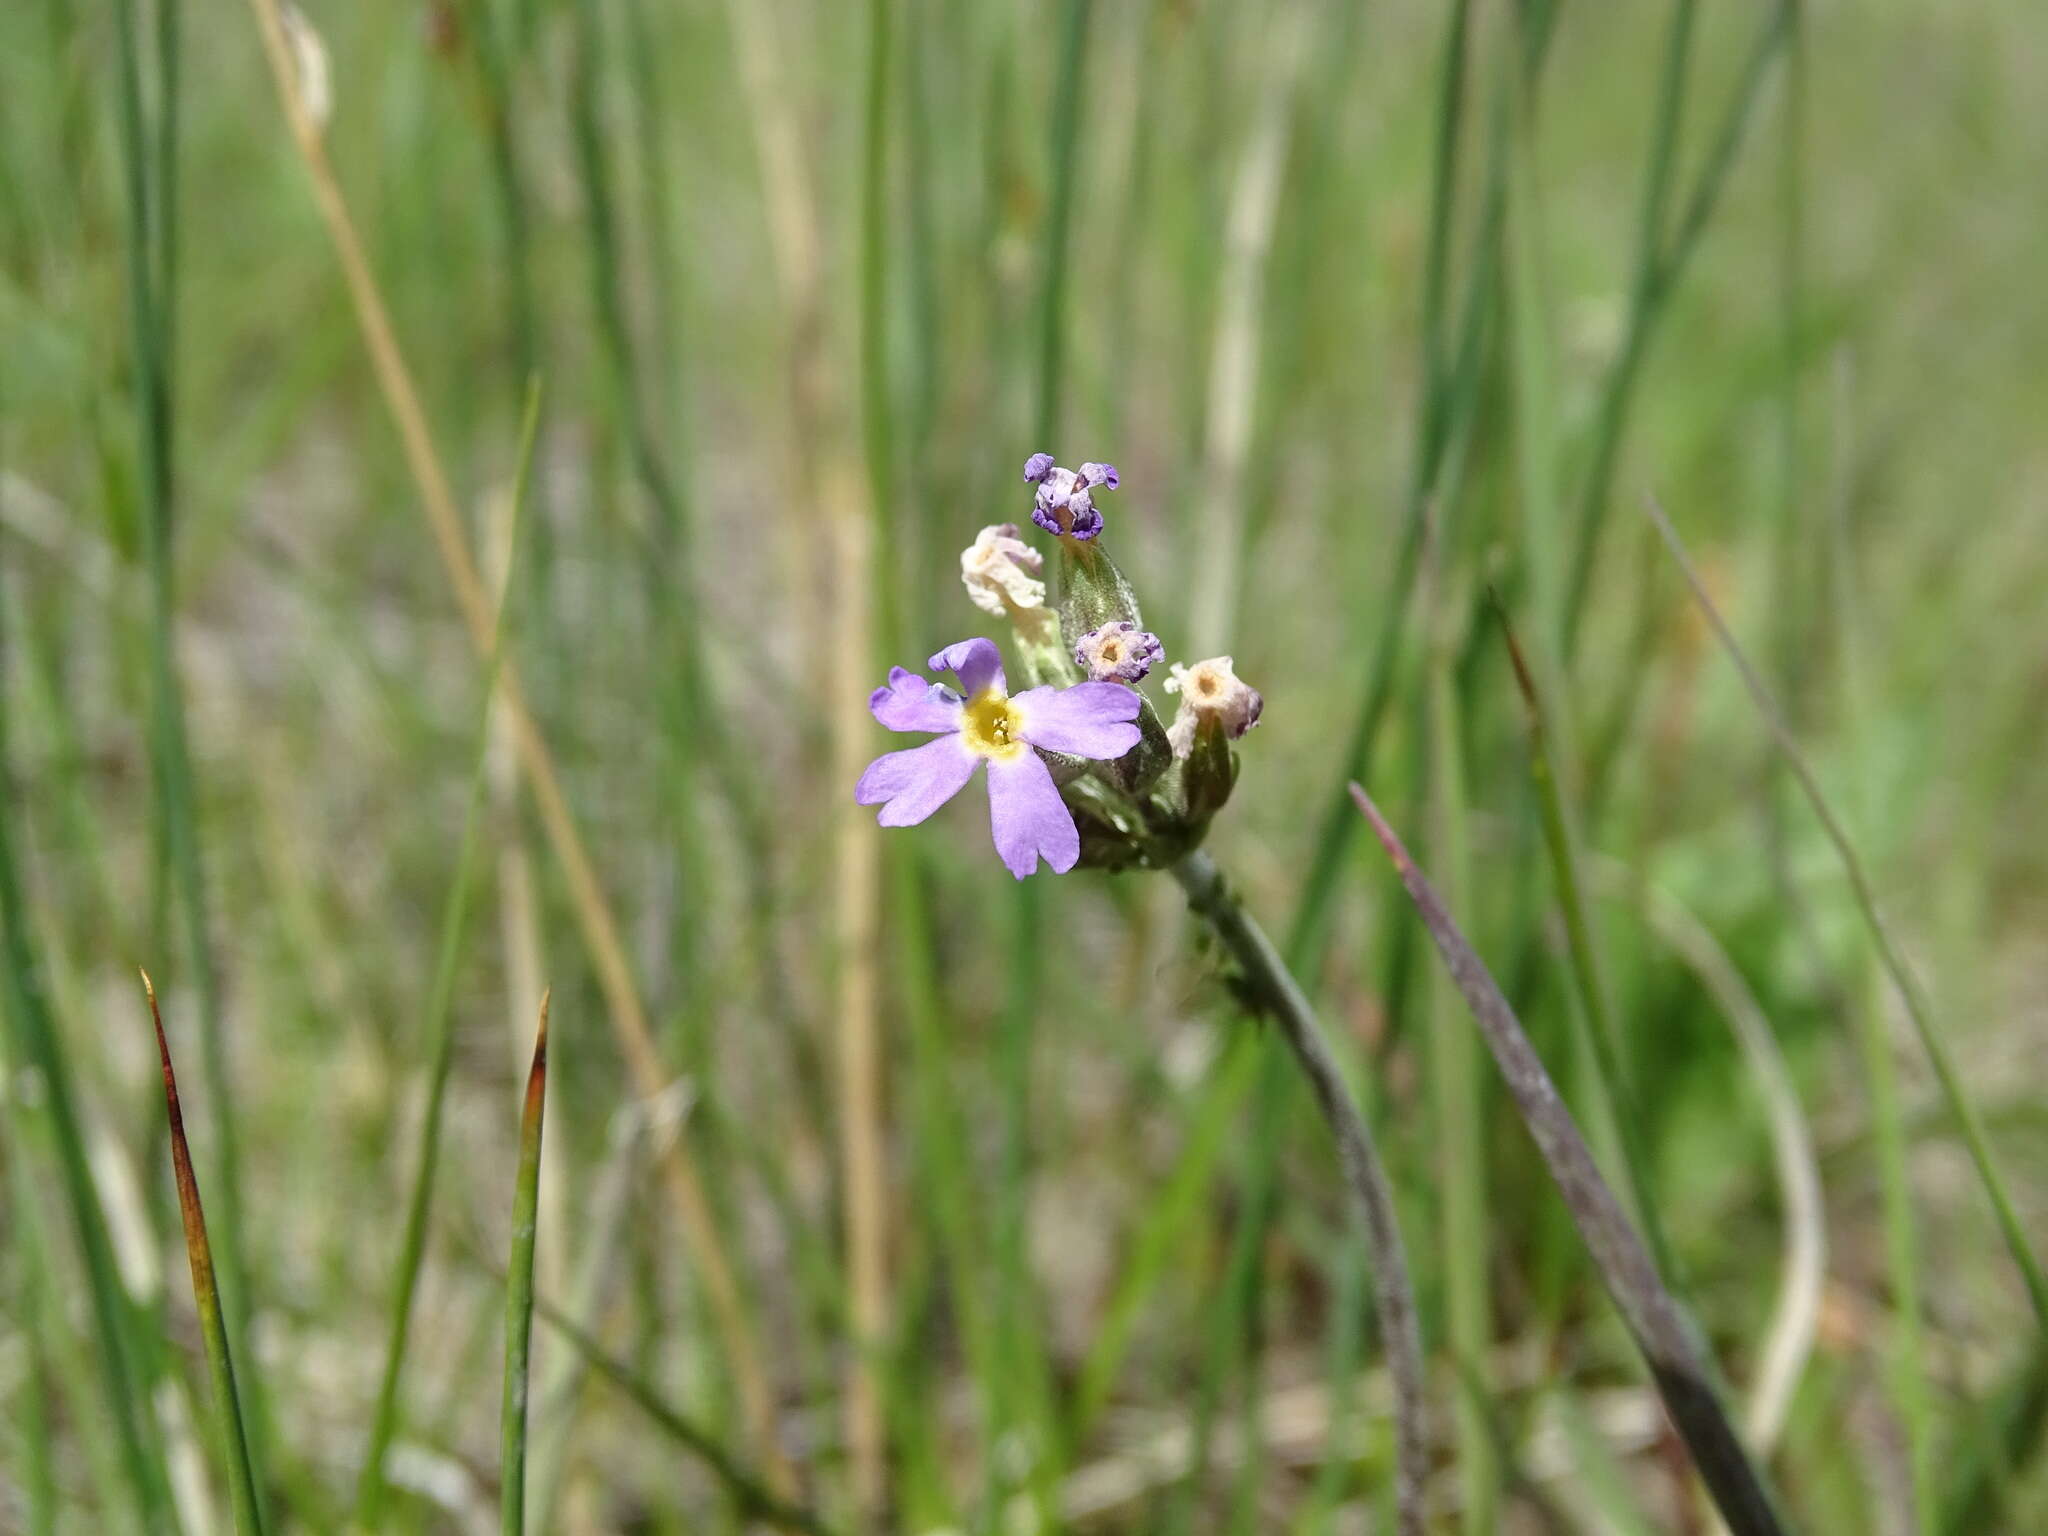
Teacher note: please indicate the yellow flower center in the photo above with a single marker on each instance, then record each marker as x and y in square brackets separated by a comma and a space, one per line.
[991, 725]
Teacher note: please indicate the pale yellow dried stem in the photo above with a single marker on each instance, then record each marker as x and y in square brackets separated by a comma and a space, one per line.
[600, 930]
[835, 492]
[861, 1128]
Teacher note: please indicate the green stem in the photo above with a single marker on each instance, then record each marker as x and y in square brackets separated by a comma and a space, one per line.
[1364, 1175]
[1460, 1126]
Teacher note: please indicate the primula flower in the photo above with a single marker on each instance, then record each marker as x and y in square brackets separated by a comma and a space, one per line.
[1118, 652]
[1001, 571]
[982, 723]
[1210, 690]
[1065, 503]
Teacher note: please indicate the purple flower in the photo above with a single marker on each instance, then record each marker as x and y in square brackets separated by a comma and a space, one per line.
[1065, 503]
[1118, 652]
[982, 723]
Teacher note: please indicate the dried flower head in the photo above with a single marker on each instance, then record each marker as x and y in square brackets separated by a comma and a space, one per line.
[1001, 572]
[1065, 503]
[1210, 691]
[1119, 652]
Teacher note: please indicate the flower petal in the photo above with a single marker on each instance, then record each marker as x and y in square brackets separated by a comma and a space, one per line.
[1103, 475]
[1028, 818]
[1037, 466]
[909, 703]
[977, 663]
[1088, 719]
[910, 785]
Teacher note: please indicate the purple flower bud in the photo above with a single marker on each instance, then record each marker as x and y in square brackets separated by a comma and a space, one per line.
[1064, 504]
[1118, 652]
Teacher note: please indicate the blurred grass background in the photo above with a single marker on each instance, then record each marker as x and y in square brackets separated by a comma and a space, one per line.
[1357, 299]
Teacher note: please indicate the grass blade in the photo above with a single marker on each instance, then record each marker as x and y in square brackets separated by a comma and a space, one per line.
[206, 1296]
[440, 1029]
[33, 1043]
[1658, 273]
[1908, 984]
[1795, 1315]
[751, 1498]
[861, 1075]
[1905, 1364]
[519, 1291]
[1456, 1104]
[1994, 1447]
[625, 1006]
[1682, 1375]
[1603, 1050]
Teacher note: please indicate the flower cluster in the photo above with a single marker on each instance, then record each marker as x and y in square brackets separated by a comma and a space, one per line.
[1080, 768]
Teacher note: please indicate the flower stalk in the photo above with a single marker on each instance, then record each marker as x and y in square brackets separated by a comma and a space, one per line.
[1365, 1176]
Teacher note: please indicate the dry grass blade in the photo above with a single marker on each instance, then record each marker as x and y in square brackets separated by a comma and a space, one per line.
[1681, 1372]
[206, 1296]
[1894, 960]
[628, 1012]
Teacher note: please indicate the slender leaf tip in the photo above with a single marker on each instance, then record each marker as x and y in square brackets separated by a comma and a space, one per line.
[536, 1079]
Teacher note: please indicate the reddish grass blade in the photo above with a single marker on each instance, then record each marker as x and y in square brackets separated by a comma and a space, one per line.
[519, 1288]
[1676, 1364]
[206, 1295]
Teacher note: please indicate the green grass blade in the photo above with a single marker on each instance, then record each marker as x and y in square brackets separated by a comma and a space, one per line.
[1904, 1346]
[41, 1324]
[150, 155]
[1683, 1377]
[440, 1030]
[34, 1043]
[1993, 1447]
[1918, 1008]
[751, 1497]
[1657, 275]
[242, 1481]
[1171, 1211]
[519, 1292]
[1455, 376]
[1613, 1103]
[1454, 1088]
